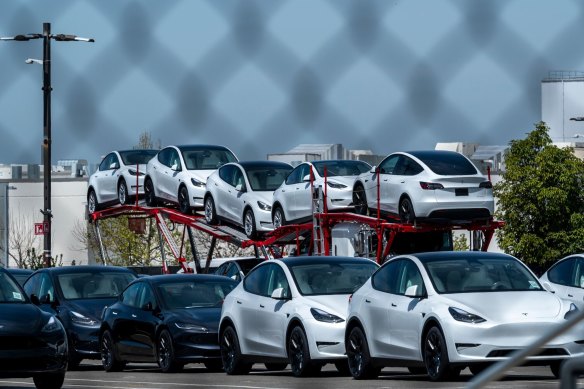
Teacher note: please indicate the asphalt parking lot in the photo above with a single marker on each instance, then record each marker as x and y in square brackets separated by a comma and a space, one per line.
[91, 375]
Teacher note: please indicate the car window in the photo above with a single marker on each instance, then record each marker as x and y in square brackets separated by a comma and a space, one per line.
[46, 289]
[386, 278]
[446, 163]
[266, 178]
[164, 156]
[341, 168]
[31, 285]
[195, 294]
[9, 290]
[294, 176]
[220, 271]
[233, 272]
[256, 281]
[137, 157]
[107, 162]
[130, 296]
[206, 157]
[238, 178]
[409, 276]
[387, 166]
[277, 279]
[561, 273]
[407, 167]
[579, 274]
[226, 173]
[147, 296]
[175, 160]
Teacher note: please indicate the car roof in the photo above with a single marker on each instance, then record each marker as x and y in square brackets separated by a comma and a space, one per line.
[209, 147]
[256, 164]
[435, 255]
[16, 270]
[85, 269]
[164, 278]
[293, 261]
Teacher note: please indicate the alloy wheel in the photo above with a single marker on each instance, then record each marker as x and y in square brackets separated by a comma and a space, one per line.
[122, 193]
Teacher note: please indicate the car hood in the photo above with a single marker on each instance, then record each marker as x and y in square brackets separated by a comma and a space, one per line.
[336, 304]
[263, 196]
[20, 319]
[508, 306]
[207, 317]
[91, 308]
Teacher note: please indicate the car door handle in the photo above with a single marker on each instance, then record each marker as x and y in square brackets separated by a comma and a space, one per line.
[239, 302]
[393, 305]
[114, 312]
[262, 306]
[569, 295]
[134, 316]
[367, 301]
[283, 191]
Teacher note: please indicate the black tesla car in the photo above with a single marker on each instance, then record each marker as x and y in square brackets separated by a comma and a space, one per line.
[33, 343]
[168, 319]
[20, 275]
[77, 295]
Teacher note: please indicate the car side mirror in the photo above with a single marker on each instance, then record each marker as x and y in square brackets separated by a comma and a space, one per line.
[548, 287]
[373, 169]
[35, 299]
[175, 167]
[148, 306]
[280, 294]
[114, 165]
[240, 188]
[414, 291]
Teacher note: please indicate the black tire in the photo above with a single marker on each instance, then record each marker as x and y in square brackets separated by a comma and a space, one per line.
[109, 359]
[123, 196]
[233, 362]
[436, 356]
[360, 200]
[275, 366]
[210, 210]
[556, 368]
[358, 356]
[299, 354]
[416, 370]
[249, 225]
[406, 211]
[343, 367]
[92, 204]
[214, 365]
[183, 200]
[49, 380]
[165, 353]
[278, 218]
[149, 194]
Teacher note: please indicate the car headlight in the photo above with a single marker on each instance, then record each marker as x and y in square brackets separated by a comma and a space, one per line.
[335, 185]
[196, 182]
[191, 327]
[134, 172]
[462, 315]
[52, 325]
[324, 316]
[264, 207]
[571, 312]
[80, 319]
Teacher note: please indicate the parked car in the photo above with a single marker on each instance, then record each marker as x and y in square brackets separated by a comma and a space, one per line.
[431, 184]
[440, 312]
[77, 295]
[116, 178]
[241, 193]
[565, 278]
[19, 275]
[178, 174]
[168, 319]
[33, 342]
[292, 201]
[236, 268]
[291, 311]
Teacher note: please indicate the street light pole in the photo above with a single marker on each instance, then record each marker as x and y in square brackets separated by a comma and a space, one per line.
[46, 62]
[6, 226]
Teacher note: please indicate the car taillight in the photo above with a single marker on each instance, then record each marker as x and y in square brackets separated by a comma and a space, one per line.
[430, 185]
[486, 185]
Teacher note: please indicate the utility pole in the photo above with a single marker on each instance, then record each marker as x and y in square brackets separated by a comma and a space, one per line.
[46, 146]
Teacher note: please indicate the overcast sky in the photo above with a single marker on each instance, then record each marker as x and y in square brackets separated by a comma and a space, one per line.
[263, 76]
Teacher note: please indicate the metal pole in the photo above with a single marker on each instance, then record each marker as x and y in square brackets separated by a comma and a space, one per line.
[6, 240]
[47, 142]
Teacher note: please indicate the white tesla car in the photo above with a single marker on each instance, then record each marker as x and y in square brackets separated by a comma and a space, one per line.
[441, 312]
[178, 174]
[291, 311]
[292, 201]
[116, 178]
[425, 184]
[241, 193]
[566, 279]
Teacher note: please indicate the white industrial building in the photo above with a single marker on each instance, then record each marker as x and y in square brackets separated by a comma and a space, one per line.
[562, 104]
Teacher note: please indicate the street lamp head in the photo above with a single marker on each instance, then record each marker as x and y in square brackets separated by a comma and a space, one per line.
[32, 60]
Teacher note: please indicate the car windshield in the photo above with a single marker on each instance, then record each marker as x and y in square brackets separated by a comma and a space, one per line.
[137, 157]
[331, 278]
[493, 274]
[446, 163]
[9, 290]
[341, 168]
[206, 158]
[266, 178]
[195, 294]
[90, 285]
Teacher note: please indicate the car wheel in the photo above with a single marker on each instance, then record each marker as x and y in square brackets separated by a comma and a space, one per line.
[210, 212]
[358, 356]
[233, 362]
[108, 354]
[165, 352]
[360, 200]
[149, 194]
[299, 354]
[249, 225]
[49, 380]
[123, 196]
[92, 204]
[406, 211]
[436, 356]
[279, 219]
[183, 200]
[343, 367]
[275, 366]
[214, 365]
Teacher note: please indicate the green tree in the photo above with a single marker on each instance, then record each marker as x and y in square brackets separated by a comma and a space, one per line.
[541, 201]
[460, 242]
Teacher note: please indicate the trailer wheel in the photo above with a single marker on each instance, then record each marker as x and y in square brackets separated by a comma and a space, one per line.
[360, 200]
